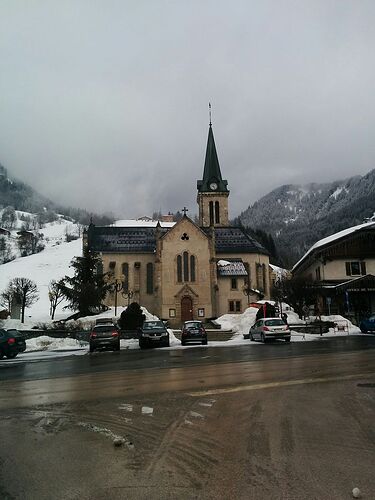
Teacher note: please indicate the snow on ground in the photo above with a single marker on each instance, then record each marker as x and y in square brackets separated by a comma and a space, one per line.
[51, 263]
[45, 343]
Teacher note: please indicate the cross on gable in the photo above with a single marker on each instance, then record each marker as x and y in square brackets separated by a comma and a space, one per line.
[185, 210]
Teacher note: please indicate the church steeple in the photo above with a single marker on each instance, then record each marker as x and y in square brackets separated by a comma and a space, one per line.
[212, 180]
[213, 192]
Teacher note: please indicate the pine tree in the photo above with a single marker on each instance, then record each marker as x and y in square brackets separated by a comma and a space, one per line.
[86, 290]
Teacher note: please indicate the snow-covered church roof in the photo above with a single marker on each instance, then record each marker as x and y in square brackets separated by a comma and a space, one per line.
[334, 237]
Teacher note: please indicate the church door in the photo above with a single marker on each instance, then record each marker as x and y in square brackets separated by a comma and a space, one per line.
[186, 309]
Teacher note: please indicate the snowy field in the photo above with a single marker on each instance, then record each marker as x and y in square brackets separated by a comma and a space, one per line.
[52, 263]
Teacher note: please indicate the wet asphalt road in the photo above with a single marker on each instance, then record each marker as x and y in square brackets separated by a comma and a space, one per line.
[169, 358]
[260, 422]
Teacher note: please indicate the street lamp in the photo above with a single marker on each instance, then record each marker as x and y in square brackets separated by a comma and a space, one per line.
[128, 295]
[247, 291]
[117, 286]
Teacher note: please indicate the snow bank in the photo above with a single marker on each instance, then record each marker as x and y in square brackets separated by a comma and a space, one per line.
[45, 343]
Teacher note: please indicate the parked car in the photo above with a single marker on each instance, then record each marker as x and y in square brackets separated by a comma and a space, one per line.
[269, 329]
[153, 334]
[105, 337]
[368, 324]
[193, 331]
[12, 342]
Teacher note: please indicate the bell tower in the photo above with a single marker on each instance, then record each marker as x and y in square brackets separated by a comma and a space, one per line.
[213, 193]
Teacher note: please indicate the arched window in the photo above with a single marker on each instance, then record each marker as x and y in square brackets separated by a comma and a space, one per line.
[217, 212]
[185, 257]
[186, 268]
[192, 268]
[211, 211]
[179, 268]
[150, 278]
[125, 272]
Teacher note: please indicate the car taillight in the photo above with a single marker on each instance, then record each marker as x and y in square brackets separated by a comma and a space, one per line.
[114, 334]
[266, 329]
[11, 341]
[93, 335]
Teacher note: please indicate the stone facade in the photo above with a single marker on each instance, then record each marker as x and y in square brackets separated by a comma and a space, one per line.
[187, 271]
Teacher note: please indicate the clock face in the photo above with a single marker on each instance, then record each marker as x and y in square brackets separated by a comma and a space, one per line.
[213, 186]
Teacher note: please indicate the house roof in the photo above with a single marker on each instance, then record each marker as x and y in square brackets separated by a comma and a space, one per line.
[142, 239]
[233, 268]
[229, 239]
[333, 238]
[122, 239]
[360, 283]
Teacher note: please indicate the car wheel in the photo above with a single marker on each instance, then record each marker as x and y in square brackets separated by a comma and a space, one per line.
[287, 339]
[363, 330]
[263, 338]
[167, 343]
[251, 337]
[1, 355]
[11, 355]
[204, 342]
[92, 349]
[117, 348]
[183, 342]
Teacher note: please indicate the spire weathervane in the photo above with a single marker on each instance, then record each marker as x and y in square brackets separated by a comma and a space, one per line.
[209, 110]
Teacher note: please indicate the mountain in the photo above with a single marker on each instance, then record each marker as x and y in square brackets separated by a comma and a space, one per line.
[296, 216]
[20, 196]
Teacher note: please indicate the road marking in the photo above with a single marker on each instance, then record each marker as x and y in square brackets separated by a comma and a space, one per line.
[270, 385]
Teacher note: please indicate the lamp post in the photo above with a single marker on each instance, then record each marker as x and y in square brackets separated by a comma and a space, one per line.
[128, 295]
[117, 286]
[247, 291]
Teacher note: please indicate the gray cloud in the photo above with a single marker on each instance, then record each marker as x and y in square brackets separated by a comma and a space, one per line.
[104, 104]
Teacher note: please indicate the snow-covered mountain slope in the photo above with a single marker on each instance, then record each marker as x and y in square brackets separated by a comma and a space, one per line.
[52, 263]
[299, 215]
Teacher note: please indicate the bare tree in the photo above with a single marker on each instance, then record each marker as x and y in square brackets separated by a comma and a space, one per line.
[25, 292]
[6, 298]
[55, 297]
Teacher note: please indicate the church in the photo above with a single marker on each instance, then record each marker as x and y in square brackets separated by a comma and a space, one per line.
[185, 270]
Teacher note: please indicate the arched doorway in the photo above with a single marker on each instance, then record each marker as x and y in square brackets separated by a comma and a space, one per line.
[186, 309]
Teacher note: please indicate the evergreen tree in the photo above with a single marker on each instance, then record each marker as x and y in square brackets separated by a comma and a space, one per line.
[86, 290]
[132, 317]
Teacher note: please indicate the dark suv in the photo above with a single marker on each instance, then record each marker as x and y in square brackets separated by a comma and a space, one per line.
[153, 333]
[193, 331]
[105, 337]
[12, 342]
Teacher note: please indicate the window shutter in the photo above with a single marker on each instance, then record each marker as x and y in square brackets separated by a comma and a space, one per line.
[363, 268]
[348, 269]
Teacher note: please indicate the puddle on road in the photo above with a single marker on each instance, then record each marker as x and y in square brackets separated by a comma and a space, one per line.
[126, 407]
[195, 414]
[147, 410]
[208, 404]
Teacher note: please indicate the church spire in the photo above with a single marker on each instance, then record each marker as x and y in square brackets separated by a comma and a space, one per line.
[212, 180]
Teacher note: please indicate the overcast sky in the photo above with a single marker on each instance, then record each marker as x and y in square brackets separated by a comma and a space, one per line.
[104, 103]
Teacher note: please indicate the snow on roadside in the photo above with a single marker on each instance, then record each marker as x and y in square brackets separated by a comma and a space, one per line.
[45, 343]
